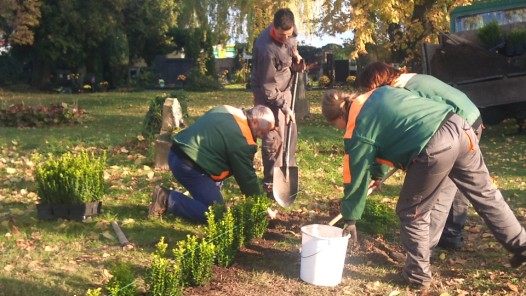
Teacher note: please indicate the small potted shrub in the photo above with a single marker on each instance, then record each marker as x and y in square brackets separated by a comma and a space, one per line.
[70, 186]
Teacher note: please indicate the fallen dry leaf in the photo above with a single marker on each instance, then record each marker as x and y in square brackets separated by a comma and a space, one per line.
[15, 230]
[108, 235]
[272, 213]
[128, 221]
[513, 287]
[8, 267]
[50, 248]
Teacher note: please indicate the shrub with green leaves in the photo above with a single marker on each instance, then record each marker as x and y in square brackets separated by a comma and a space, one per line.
[122, 282]
[377, 218]
[238, 211]
[251, 218]
[200, 82]
[196, 259]
[154, 117]
[220, 230]
[491, 34]
[164, 276]
[72, 178]
[258, 219]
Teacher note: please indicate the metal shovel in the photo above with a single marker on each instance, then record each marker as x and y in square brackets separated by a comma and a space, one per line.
[285, 179]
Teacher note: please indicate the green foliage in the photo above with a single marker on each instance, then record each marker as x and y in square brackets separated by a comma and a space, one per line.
[251, 218]
[239, 213]
[198, 81]
[165, 278]
[257, 219]
[118, 57]
[144, 80]
[21, 115]
[122, 282]
[516, 36]
[377, 218]
[70, 178]
[220, 229]
[154, 118]
[10, 69]
[242, 75]
[491, 34]
[195, 259]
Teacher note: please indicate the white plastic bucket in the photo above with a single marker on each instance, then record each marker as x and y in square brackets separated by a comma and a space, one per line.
[323, 250]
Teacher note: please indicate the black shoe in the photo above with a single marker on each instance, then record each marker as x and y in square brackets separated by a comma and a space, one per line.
[517, 260]
[402, 279]
[398, 257]
[159, 202]
[454, 244]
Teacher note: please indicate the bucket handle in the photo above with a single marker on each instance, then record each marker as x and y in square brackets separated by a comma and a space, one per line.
[319, 251]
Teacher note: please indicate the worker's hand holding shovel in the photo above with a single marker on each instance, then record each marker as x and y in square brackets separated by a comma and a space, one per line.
[375, 186]
[350, 228]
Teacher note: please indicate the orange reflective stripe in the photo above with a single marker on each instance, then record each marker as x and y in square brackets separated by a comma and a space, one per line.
[402, 80]
[242, 122]
[221, 177]
[346, 170]
[356, 106]
[383, 161]
[471, 145]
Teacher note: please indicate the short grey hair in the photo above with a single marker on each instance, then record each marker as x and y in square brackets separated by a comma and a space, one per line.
[264, 116]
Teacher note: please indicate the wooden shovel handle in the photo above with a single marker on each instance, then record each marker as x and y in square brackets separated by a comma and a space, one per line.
[389, 174]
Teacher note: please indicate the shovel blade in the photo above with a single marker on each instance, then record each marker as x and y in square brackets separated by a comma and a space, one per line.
[285, 185]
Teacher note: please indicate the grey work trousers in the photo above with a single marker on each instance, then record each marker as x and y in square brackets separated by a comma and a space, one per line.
[458, 214]
[451, 155]
[273, 144]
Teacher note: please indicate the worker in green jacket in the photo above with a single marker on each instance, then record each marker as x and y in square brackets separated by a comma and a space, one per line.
[378, 74]
[219, 144]
[425, 138]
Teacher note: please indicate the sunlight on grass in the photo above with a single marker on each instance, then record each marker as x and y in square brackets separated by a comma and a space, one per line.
[68, 257]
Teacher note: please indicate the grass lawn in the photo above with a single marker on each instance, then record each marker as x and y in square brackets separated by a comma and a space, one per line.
[68, 258]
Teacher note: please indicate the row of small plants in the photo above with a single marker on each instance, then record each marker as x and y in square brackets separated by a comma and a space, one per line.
[226, 231]
[21, 115]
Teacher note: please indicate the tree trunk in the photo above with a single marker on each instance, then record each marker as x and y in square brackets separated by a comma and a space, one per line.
[41, 73]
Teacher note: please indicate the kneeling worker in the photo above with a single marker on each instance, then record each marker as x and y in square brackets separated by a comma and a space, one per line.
[219, 144]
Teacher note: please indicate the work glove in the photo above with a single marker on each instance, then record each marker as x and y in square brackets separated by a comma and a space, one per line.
[350, 228]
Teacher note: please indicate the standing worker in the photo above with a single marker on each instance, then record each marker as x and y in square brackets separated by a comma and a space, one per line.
[431, 143]
[275, 54]
[219, 144]
[379, 74]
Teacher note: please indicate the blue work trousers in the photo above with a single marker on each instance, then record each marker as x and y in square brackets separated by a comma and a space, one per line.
[203, 189]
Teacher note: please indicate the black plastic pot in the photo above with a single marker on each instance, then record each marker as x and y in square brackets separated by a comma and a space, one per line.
[68, 211]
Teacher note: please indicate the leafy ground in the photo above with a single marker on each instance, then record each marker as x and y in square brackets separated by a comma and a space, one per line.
[67, 257]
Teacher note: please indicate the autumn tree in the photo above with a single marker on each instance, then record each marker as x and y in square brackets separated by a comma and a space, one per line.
[17, 20]
[398, 27]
